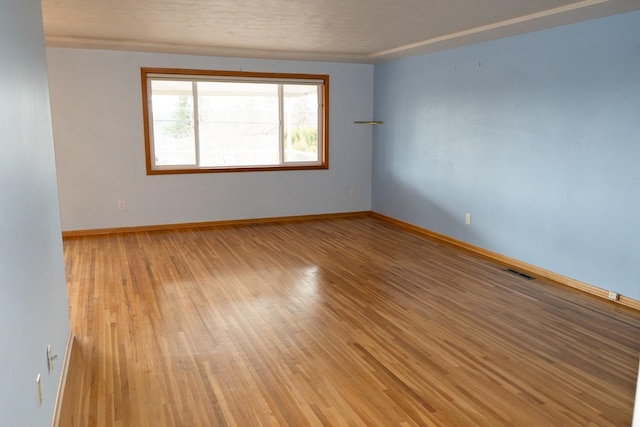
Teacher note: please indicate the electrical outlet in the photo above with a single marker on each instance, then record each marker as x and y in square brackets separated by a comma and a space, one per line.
[467, 219]
[122, 205]
[50, 358]
[352, 193]
[613, 296]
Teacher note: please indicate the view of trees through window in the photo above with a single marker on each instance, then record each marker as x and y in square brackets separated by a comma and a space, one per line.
[206, 123]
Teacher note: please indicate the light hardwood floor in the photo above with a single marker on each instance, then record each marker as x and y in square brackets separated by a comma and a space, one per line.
[336, 322]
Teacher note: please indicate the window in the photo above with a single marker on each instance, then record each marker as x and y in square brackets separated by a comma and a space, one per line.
[221, 121]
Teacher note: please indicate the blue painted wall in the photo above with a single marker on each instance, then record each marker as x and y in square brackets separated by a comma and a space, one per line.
[33, 292]
[537, 136]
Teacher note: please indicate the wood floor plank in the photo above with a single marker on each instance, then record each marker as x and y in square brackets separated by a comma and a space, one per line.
[333, 322]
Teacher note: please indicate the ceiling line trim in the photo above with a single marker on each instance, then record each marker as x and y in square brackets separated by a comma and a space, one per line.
[495, 26]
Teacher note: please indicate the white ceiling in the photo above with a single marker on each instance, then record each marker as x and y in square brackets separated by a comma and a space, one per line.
[365, 31]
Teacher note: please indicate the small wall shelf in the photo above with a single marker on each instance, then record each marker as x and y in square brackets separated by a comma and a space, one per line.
[368, 122]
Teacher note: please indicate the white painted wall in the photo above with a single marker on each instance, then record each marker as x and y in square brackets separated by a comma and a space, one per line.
[33, 301]
[98, 131]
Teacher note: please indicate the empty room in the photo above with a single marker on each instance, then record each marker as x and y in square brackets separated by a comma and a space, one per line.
[291, 213]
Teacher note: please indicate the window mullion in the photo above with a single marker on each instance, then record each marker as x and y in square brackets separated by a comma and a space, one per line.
[196, 121]
[281, 122]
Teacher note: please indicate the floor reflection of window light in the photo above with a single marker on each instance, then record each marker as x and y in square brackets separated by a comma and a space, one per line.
[308, 282]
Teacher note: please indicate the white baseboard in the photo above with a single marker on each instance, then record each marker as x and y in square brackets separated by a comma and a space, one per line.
[55, 420]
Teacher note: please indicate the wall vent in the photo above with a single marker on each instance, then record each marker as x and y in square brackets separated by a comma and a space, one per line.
[526, 276]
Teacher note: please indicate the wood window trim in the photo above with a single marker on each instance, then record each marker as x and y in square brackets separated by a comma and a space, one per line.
[323, 119]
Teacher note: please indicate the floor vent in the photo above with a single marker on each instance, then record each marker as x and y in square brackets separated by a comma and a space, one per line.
[520, 274]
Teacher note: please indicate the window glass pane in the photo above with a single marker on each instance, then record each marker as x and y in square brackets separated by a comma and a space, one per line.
[238, 124]
[300, 123]
[173, 126]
